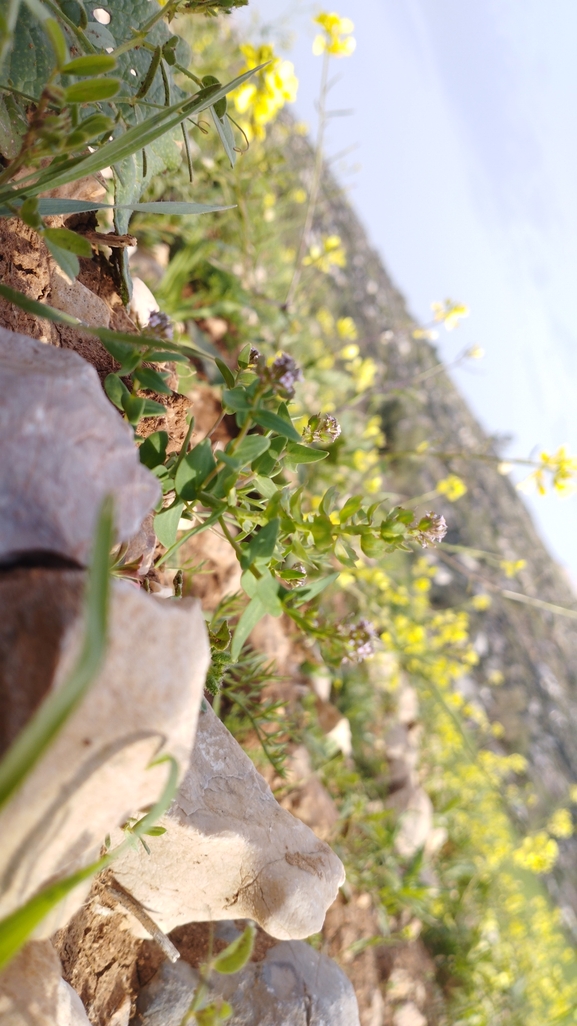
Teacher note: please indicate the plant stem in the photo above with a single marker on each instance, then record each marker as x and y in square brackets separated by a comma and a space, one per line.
[315, 186]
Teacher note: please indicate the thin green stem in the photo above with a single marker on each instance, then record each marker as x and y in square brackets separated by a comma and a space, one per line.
[315, 187]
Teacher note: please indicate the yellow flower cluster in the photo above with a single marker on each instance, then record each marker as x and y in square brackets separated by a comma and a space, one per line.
[512, 566]
[266, 93]
[452, 487]
[335, 38]
[326, 255]
[561, 823]
[538, 852]
[561, 467]
[449, 313]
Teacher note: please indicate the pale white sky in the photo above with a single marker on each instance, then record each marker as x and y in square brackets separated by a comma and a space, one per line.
[465, 174]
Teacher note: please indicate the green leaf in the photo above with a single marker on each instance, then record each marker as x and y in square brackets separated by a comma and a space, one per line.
[248, 621]
[56, 36]
[372, 546]
[90, 64]
[261, 545]
[47, 207]
[226, 372]
[350, 507]
[152, 409]
[92, 91]
[301, 595]
[272, 422]
[267, 590]
[68, 240]
[115, 390]
[236, 399]
[133, 407]
[192, 471]
[222, 125]
[49, 718]
[265, 486]
[237, 954]
[250, 449]
[152, 452]
[166, 524]
[297, 453]
[321, 529]
[148, 378]
[66, 260]
[126, 144]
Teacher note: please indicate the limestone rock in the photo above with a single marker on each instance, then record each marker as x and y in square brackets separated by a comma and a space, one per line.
[230, 850]
[74, 298]
[65, 448]
[33, 993]
[143, 702]
[415, 818]
[293, 985]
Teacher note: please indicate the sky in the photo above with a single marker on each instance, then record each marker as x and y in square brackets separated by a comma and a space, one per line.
[463, 167]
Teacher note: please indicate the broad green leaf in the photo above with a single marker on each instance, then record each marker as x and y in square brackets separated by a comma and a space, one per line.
[267, 590]
[250, 449]
[265, 486]
[272, 422]
[372, 546]
[297, 453]
[115, 390]
[48, 719]
[66, 260]
[166, 524]
[68, 240]
[248, 621]
[152, 409]
[91, 64]
[235, 399]
[261, 545]
[237, 954]
[92, 91]
[133, 407]
[152, 452]
[351, 507]
[148, 378]
[193, 470]
[321, 529]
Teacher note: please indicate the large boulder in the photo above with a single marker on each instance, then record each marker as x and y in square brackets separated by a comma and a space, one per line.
[96, 774]
[33, 993]
[231, 850]
[64, 448]
[293, 985]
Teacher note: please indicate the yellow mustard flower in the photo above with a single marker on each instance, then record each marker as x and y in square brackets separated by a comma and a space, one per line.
[266, 93]
[452, 487]
[512, 566]
[538, 853]
[347, 329]
[561, 823]
[336, 38]
[329, 253]
[449, 313]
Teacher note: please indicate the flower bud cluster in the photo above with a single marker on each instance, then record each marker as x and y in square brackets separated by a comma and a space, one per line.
[322, 427]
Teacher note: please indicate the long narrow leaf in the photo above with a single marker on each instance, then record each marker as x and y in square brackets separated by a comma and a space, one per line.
[48, 207]
[57, 707]
[132, 141]
[16, 928]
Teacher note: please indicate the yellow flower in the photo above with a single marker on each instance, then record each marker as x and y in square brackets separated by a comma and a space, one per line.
[347, 328]
[475, 353]
[349, 352]
[452, 487]
[267, 92]
[429, 334]
[449, 313]
[561, 823]
[481, 602]
[512, 566]
[330, 253]
[537, 852]
[336, 38]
